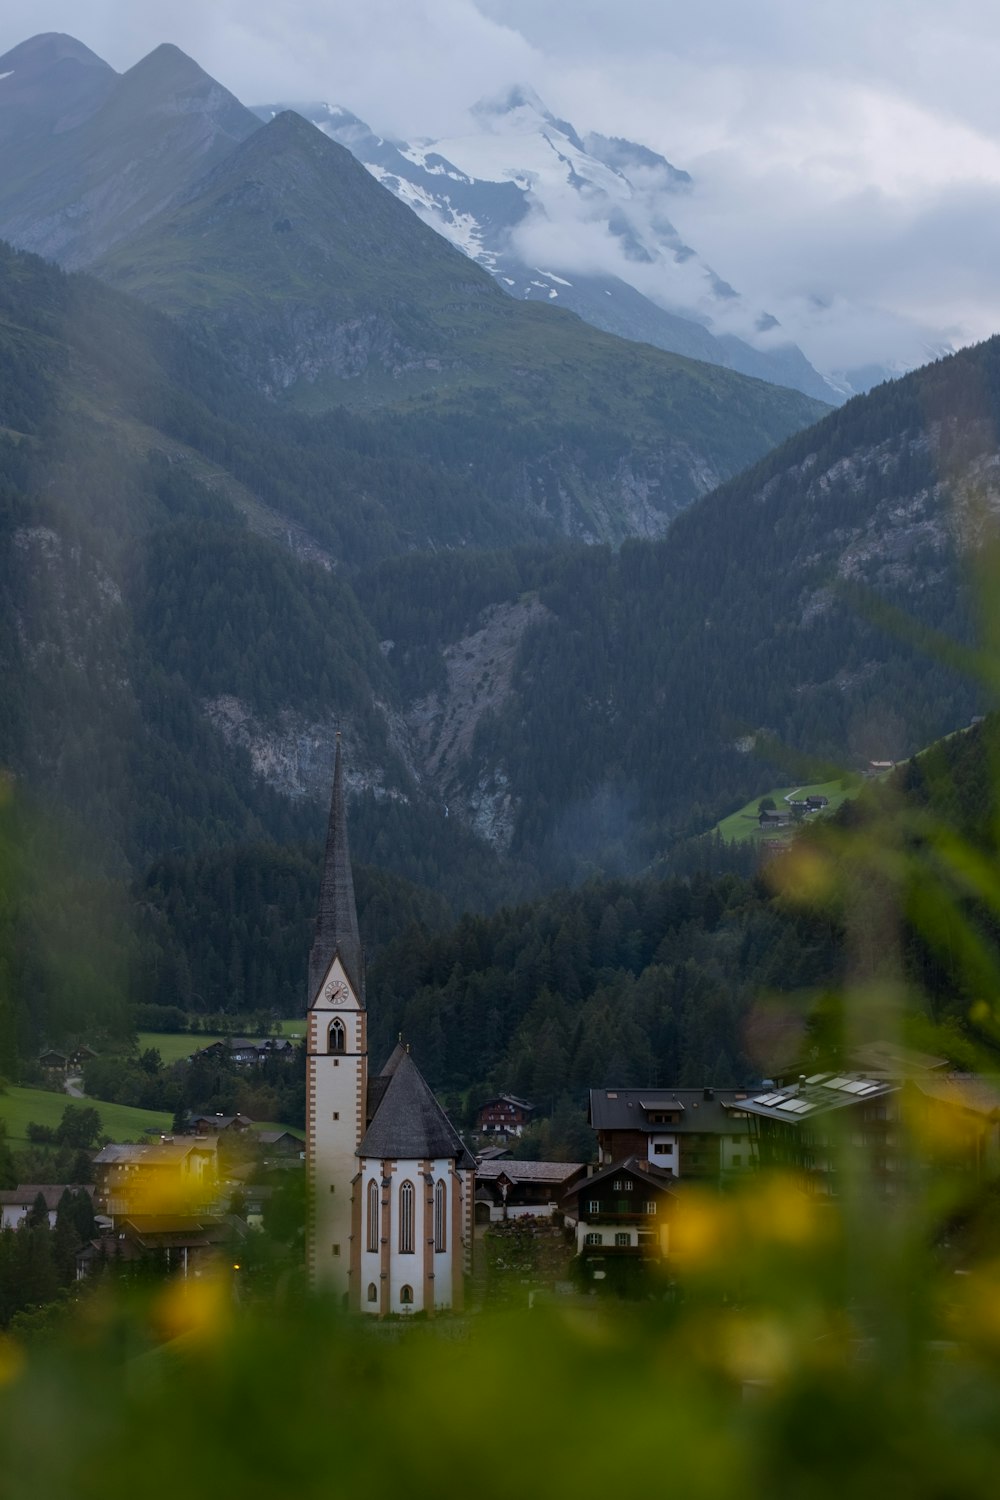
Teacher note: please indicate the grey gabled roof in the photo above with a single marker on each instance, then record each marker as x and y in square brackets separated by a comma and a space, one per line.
[337, 917]
[702, 1111]
[409, 1122]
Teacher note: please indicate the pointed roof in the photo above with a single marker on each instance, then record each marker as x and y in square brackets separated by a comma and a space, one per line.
[378, 1085]
[409, 1123]
[337, 918]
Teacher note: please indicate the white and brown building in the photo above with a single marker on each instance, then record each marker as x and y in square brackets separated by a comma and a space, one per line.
[624, 1211]
[391, 1184]
[692, 1133]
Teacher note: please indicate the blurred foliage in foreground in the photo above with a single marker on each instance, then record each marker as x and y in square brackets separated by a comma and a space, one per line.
[811, 1352]
[797, 1344]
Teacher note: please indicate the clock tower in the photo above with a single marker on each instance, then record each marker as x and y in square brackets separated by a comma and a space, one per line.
[336, 1057]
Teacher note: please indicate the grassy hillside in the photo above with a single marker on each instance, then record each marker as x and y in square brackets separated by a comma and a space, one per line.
[743, 824]
[21, 1106]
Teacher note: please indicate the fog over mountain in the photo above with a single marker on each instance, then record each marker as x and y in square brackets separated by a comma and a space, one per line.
[845, 163]
[579, 221]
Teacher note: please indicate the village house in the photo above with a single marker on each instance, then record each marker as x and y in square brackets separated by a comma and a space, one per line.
[181, 1244]
[56, 1062]
[219, 1124]
[623, 1211]
[506, 1115]
[699, 1133]
[164, 1176]
[774, 817]
[798, 1127]
[17, 1203]
[508, 1189]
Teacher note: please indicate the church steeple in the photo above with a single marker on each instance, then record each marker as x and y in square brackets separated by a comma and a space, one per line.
[337, 918]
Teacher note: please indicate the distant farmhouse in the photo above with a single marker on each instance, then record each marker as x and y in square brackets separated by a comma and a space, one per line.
[505, 1115]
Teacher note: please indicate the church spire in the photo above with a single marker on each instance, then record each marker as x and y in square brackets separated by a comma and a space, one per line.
[337, 918]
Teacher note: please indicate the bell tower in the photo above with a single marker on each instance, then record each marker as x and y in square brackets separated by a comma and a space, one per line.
[336, 1057]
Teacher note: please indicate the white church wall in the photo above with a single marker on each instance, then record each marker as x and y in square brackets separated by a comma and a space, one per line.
[336, 1089]
[408, 1268]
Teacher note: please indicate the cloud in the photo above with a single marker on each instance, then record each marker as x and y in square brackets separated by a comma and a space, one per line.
[846, 158]
[413, 65]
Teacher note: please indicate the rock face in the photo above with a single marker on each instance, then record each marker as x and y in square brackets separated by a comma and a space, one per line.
[433, 739]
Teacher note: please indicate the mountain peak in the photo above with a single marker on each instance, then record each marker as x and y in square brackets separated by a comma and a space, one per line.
[168, 67]
[519, 96]
[518, 108]
[43, 51]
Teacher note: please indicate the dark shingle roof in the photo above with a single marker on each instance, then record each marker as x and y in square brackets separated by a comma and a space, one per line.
[337, 917]
[652, 1176]
[378, 1085]
[528, 1171]
[409, 1122]
[629, 1109]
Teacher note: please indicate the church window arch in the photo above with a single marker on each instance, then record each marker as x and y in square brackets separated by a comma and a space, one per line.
[406, 1213]
[406, 1295]
[372, 1292]
[372, 1239]
[440, 1216]
[337, 1039]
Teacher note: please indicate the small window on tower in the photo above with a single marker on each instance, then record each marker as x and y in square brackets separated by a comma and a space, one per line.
[338, 1036]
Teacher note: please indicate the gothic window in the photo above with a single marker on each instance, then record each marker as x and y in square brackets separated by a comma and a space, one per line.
[406, 1204]
[372, 1292]
[338, 1036]
[440, 1221]
[406, 1294]
[372, 1215]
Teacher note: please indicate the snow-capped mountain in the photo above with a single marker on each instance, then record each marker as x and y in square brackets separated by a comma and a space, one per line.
[580, 221]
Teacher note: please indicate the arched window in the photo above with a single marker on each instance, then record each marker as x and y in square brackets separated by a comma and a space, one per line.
[372, 1240]
[440, 1219]
[406, 1294]
[372, 1292]
[338, 1036]
[406, 1197]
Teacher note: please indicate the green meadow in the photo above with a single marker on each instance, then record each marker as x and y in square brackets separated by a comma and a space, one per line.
[742, 825]
[20, 1107]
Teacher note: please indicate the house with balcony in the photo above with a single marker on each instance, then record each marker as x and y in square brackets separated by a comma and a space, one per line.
[505, 1115]
[623, 1211]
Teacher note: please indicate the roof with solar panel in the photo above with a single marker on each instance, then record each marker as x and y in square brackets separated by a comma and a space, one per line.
[818, 1094]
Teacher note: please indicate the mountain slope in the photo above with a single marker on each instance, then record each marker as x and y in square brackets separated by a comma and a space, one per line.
[753, 642]
[318, 284]
[595, 214]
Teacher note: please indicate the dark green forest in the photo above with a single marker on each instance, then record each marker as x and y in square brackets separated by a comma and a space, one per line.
[169, 540]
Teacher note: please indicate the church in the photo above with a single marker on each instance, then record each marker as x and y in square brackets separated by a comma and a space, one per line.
[391, 1184]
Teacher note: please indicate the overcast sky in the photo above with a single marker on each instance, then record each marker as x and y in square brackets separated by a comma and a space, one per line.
[846, 157]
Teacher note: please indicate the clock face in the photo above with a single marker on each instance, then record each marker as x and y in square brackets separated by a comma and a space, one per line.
[337, 991]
